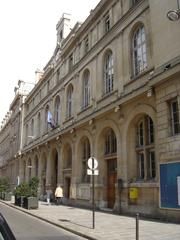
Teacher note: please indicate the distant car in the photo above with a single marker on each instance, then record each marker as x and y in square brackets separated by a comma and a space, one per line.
[5, 231]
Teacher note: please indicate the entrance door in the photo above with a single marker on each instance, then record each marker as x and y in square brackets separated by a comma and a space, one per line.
[111, 180]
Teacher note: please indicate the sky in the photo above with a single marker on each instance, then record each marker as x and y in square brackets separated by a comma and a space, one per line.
[28, 39]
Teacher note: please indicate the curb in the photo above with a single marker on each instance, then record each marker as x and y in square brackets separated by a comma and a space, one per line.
[46, 220]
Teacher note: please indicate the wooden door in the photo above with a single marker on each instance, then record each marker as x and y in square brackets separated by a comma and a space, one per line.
[111, 180]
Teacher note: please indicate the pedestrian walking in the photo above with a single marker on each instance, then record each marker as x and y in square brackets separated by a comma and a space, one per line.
[48, 195]
[59, 194]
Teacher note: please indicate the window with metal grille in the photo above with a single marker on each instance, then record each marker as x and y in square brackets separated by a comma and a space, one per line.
[86, 44]
[57, 110]
[107, 23]
[108, 73]
[86, 90]
[145, 149]
[175, 116]
[110, 143]
[69, 101]
[139, 51]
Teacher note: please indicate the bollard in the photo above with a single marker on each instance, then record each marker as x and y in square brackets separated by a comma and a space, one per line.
[137, 226]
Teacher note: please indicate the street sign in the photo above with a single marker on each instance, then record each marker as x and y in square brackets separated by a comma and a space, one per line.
[92, 172]
[92, 163]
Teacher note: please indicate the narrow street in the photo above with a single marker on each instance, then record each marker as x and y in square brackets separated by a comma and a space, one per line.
[26, 227]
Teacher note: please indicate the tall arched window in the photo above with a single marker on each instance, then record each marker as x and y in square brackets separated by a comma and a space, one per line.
[108, 73]
[32, 128]
[85, 156]
[26, 134]
[39, 124]
[86, 89]
[46, 118]
[57, 110]
[146, 166]
[139, 46]
[69, 101]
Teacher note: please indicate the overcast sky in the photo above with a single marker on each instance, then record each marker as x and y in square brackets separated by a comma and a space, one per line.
[28, 38]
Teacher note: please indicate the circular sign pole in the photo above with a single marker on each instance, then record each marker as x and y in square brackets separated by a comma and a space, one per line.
[93, 164]
[93, 204]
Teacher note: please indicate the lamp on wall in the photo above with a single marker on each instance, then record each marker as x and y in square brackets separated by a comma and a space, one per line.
[174, 15]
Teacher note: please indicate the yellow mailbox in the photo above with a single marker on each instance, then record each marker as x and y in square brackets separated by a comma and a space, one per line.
[133, 193]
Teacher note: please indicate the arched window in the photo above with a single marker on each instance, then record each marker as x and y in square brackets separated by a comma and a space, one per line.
[32, 128]
[108, 73]
[26, 134]
[146, 166]
[69, 101]
[57, 110]
[85, 156]
[110, 143]
[86, 89]
[139, 46]
[46, 118]
[39, 124]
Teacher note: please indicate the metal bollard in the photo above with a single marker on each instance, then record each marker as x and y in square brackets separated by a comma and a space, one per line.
[137, 226]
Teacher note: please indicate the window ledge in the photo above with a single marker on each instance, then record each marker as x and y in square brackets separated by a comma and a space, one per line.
[67, 169]
[84, 109]
[107, 95]
[68, 120]
[133, 78]
[150, 183]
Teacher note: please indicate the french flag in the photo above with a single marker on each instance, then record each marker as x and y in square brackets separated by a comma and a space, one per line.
[50, 120]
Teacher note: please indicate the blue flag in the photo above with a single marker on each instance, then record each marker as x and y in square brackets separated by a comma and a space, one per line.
[50, 119]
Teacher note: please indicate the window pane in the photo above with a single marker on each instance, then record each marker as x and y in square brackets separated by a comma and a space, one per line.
[141, 165]
[141, 134]
[86, 90]
[139, 51]
[152, 165]
[150, 131]
[109, 73]
[175, 117]
[110, 143]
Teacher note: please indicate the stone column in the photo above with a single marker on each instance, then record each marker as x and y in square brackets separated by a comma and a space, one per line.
[21, 170]
[33, 167]
[40, 174]
[74, 166]
[48, 167]
[60, 163]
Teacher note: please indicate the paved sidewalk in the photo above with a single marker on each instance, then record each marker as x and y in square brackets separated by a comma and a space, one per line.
[107, 226]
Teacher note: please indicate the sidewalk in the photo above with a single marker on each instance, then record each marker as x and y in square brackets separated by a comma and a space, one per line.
[107, 226]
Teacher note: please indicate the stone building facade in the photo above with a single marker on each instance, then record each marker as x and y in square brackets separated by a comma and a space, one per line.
[11, 134]
[111, 90]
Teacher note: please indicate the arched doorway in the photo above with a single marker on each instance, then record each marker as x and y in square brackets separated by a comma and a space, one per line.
[43, 174]
[110, 158]
[67, 169]
[54, 168]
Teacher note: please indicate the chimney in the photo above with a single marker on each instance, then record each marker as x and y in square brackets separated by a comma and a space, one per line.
[38, 74]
